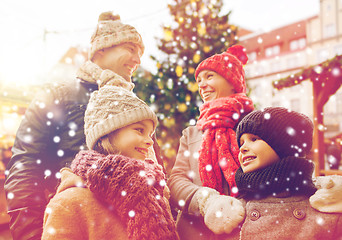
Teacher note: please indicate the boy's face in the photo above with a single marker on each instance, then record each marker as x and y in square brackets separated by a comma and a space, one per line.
[255, 153]
[122, 59]
[133, 140]
[212, 86]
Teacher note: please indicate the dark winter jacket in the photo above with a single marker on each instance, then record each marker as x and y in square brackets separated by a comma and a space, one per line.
[48, 139]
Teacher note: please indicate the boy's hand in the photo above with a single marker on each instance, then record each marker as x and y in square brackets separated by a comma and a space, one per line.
[222, 214]
[328, 197]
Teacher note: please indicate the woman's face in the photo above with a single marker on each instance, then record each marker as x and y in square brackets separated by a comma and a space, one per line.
[212, 86]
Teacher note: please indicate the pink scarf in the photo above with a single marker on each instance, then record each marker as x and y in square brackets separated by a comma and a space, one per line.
[133, 189]
[219, 150]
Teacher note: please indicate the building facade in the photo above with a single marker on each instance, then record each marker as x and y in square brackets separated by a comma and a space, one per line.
[287, 50]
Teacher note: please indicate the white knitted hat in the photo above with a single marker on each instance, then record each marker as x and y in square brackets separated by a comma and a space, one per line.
[112, 107]
[110, 31]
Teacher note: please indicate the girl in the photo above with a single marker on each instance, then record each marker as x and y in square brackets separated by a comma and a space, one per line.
[114, 190]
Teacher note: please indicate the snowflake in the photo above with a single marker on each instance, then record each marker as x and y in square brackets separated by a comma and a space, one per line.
[218, 214]
[223, 162]
[267, 116]
[56, 139]
[208, 167]
[191, 174]
[47, 173]
[10, 195]
[49, 115]
[192, 122]
[60, 153]
[142, 173]
[186, 153]
[19, 165]
[235, 190]
[72, 133]
[28, 138]
[51, 230]
[236, 116]
[291, 131]
[131, 213]
[58, 175]
[150, 181]
[48, 210]
[162, 183]
[319, 221]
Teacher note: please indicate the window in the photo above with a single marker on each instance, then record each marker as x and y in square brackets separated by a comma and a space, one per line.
[338, 49]
[329, 30]
[297, 44]
[272, 51]
[252, 56]
[322, 55]
[275, 66]
[292, 62]
[295, 104]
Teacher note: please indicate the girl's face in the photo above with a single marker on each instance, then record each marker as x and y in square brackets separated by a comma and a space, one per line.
[212, 86]
[133, 140]
[255, 153]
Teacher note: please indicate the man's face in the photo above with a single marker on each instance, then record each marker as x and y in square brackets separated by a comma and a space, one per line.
[122, 59]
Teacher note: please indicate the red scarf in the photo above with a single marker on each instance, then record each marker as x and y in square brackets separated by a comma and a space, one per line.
[219, 150]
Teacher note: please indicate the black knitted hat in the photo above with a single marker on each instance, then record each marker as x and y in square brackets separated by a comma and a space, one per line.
[287, 132]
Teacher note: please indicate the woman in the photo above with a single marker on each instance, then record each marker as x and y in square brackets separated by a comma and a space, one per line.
[201, 181]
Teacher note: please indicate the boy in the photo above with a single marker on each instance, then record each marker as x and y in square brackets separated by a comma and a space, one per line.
[275, 178]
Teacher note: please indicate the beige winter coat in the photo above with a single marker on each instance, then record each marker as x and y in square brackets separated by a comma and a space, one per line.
[74, 213]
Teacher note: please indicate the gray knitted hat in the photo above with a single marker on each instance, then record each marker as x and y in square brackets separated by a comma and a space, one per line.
[288, 133]
[112, 107]
[110, 31]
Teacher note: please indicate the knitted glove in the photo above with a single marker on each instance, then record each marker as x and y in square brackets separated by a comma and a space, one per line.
[328, 197]
[222, 214]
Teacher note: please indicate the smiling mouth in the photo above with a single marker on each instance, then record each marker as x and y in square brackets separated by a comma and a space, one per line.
[247, 160]
[130, 68]
[206, 94]
[143, 151]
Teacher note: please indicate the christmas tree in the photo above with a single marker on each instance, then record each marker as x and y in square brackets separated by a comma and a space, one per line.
[197, 31]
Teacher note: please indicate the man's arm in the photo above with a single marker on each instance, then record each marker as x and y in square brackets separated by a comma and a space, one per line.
[24, 182]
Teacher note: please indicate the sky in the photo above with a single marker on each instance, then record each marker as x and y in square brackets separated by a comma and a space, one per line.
[35, 34]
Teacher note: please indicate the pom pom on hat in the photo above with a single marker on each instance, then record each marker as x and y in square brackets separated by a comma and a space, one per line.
[229, 65]
[288, 133]
[239, 52]
[110, 31]
[107, 16]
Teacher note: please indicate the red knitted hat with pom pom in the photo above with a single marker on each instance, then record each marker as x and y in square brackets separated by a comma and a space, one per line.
[229, 65]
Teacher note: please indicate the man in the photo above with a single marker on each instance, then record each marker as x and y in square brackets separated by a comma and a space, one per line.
[51, 132]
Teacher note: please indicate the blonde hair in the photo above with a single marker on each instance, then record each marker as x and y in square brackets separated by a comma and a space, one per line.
[104, 146]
